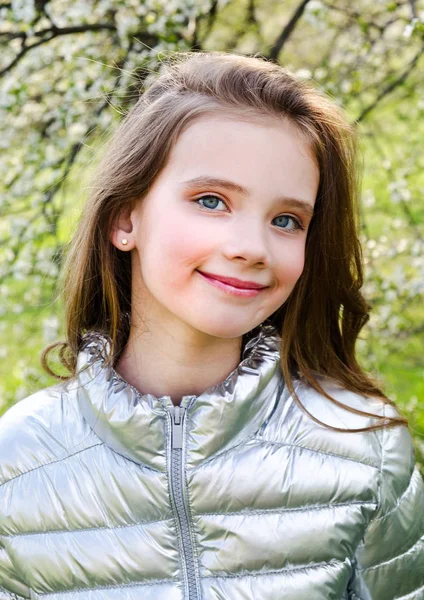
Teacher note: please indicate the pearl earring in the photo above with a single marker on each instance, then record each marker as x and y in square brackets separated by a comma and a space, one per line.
[124, 242]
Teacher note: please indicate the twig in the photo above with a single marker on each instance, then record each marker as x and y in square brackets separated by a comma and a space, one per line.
[392, 86]
[52, 33]
[287, 31]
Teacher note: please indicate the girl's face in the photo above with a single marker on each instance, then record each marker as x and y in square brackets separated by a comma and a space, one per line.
[234, 201]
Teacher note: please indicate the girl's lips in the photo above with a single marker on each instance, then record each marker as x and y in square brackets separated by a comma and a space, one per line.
[238, 283]
[230, 289]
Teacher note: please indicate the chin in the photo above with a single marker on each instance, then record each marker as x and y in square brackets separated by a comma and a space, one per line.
[226, 329]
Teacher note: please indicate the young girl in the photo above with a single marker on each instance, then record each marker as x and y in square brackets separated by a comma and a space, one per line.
[216, 438]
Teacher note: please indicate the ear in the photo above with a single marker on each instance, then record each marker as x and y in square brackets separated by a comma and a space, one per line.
[123, 229]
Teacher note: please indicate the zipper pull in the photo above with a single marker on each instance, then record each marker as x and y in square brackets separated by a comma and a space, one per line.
[177, 416]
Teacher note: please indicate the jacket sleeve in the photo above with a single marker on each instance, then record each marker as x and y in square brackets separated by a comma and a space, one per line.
[389, 562]
[11, 588]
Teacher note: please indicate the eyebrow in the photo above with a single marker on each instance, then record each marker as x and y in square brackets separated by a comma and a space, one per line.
[206, 181]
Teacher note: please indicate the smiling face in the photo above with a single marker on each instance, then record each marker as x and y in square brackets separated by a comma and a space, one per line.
[252, 228]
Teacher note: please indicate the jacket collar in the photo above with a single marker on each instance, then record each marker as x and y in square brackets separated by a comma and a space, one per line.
[137, 425]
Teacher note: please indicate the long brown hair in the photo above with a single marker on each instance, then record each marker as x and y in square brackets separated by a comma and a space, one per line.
[320, 321]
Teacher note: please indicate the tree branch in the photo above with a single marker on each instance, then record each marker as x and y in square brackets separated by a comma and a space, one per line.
[392, 86]
[357, 16]
[54, 32]
[76, 29]
[210, 18]
[413, 9]
[287, 31]
[12, 35]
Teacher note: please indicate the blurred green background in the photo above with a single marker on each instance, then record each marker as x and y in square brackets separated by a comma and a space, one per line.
[70, 71]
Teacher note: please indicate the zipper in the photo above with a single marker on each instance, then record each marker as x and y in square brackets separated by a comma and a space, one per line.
[177, 414]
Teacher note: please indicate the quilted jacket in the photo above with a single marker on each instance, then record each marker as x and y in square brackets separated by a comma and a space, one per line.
[236, 494]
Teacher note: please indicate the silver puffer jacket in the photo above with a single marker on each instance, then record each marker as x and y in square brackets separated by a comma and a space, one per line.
[234, 495]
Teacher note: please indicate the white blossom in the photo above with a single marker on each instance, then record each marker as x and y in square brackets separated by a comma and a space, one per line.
[50, 329]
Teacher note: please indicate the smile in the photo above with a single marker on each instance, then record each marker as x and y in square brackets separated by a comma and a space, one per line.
[231, 289]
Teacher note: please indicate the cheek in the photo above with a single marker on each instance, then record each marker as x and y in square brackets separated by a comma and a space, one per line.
[291, 263]
[174, 249]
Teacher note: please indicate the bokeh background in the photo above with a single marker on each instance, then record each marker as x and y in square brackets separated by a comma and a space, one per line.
[69, 71]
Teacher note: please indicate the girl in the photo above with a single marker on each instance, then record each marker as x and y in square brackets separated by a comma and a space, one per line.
[216, 438]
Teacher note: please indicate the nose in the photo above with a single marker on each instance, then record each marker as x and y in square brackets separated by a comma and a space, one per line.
[246, 242]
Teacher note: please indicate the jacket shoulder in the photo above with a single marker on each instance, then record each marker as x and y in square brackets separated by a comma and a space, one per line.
[345, 412]
[348, 412]
[42, 428]
[390, 450]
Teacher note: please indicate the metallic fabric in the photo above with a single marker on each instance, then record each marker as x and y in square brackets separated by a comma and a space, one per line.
[260, 502]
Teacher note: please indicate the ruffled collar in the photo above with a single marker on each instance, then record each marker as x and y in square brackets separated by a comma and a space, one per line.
[135, 425]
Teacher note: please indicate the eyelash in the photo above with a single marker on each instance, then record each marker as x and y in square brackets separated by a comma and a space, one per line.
[296, 220]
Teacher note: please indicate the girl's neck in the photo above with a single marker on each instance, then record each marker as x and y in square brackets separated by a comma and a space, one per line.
[165, 363]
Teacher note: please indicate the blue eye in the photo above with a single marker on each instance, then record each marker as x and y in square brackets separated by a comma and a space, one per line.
[208, 198]
[285, 219]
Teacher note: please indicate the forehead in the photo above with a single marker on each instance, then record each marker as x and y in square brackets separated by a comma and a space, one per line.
[266, 155]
